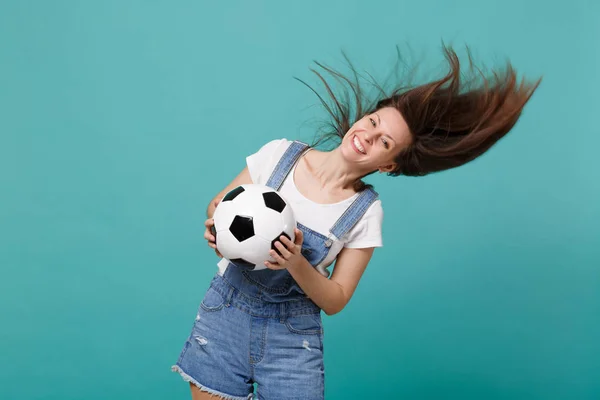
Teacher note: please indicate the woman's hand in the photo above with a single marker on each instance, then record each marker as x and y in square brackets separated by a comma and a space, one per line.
[290, 253]
[209, 236]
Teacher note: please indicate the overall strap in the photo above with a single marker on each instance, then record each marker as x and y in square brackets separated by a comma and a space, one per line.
[352, 215]
[285, 164]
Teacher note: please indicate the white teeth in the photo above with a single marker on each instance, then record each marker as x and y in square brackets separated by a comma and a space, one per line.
[358, 145]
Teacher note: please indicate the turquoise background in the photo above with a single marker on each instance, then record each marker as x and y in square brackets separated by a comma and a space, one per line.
[119, 120]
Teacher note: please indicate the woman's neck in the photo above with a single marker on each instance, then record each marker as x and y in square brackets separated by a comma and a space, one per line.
[331, 171]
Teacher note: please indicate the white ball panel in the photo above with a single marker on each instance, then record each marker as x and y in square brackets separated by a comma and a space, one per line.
[255, 250]
[224, 215]
[228, 245]
[288, 220]
[268, 224]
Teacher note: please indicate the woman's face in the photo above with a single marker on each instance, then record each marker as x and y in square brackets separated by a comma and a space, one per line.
[375, 140]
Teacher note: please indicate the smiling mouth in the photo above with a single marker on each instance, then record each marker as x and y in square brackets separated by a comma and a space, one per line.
[357, 146]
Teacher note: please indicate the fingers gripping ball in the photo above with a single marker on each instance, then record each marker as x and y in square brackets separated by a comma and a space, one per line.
[248, 221]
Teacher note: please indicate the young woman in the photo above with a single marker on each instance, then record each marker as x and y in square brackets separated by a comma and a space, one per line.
[264, 326]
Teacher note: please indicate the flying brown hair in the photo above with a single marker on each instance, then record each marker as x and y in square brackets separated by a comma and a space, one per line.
[452, 120]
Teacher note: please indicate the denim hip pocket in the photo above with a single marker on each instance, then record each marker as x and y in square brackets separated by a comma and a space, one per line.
[212, 301]
[307, 324]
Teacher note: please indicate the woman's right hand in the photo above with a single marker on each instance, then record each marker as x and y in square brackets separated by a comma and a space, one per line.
[209, 235]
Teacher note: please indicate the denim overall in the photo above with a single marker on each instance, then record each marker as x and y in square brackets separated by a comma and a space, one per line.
[259, 326]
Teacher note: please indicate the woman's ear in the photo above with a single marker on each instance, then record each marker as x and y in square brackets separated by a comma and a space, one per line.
[387, 168]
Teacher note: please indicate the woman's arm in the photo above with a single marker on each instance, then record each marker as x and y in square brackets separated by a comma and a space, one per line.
[331, 295]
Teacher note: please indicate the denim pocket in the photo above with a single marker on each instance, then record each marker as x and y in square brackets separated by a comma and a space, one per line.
[309, 324]
[213, 300]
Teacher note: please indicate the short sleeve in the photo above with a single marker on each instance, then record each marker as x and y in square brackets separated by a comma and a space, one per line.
[368, 231]
[261, 163]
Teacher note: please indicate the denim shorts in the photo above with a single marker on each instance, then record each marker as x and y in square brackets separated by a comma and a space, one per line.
[238, 340]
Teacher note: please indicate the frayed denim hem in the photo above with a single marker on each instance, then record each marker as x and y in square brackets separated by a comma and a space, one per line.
[187, 378]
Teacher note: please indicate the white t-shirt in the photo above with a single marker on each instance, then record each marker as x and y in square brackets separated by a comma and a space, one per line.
[318, 217]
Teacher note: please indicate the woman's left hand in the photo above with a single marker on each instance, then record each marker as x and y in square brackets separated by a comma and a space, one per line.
[290, 253]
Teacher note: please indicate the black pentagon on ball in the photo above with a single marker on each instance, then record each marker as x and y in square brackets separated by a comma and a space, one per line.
[242, 228]
[274, 201]
[240, 262]
[232, 194]
[277, 240]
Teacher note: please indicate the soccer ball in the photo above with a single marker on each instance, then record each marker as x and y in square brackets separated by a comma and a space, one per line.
[248, 221]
